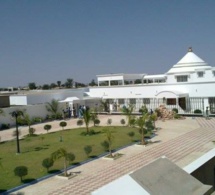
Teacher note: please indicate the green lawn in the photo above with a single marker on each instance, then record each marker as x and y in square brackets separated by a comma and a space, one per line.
[35, 149]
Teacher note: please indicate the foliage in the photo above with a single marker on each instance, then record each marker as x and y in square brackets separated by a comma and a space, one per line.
[158, 112]
[97, 121]
[91, 132]
[37, 120]
[31, 131]
[80, 122]
[143, 110]
[131, 134]
[88, 149]
[47, 127]
[87, 118]
[105, 145]
[132, 121]
[21, 171]
[127, 111]
[63, 124]
[154, 117]
[53, 108]
[197, 111]
[47, 163]
[122, 121]
[109, 121]
[32, 85]
[94, 117]
[5, 126]
[45, 87]
[92, 83]
[177, 116]
[67, 157]
[109, 139]
[69, 83]
[175, 110]
[59, 84]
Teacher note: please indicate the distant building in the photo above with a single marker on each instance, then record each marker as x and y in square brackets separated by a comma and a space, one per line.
[187, 86]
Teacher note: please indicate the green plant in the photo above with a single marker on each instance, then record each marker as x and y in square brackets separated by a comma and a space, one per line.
[197, 111]
[122, 121]
[37, 120]
[47, 127]
[53, 108]
[5, 126]
[127, 111]
[47, 163]
[109, 121]
[88, 149]
[131, 134]
[80, 122]
[109, 139]
[175, 110]
[21, 171]
[87, 118]
[96, 122]
[177, 116]
[143, 110]
[63, 124]
[105, 145]
[67, 157]
[31, 131]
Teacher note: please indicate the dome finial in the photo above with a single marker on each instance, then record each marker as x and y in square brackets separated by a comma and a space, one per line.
[190, 49]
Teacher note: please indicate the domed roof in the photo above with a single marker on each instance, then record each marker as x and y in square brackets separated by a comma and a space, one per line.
[189, 63]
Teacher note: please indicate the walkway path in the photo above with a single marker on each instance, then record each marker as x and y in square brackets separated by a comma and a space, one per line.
[182, 141]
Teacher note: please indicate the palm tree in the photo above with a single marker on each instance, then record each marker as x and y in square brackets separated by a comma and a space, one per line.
[53, 107]
[128, 113]
[110, 138]
[67, 156]
[87, 118]
[141, 123]
[15, 114]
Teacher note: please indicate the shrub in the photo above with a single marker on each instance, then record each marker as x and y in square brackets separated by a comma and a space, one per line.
[177, 116]
[175, 110]
[47, 127]
[5, 126]
[87, 150]
[63, 124]
[21, 171]
[91, 132]
[109, 121]
[47, 163]
[97, 121]
[37, 120]
[131, 134]
[197, 111]
[122, 121]
[31, 131]
[80, 122]
[105, 145]
[132, 122]
[158, 112]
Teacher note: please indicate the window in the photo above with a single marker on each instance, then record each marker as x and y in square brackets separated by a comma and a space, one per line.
[200, 74]
[182, 78]
[146, 101]
[121, 101]
[171, 101]
[132, 101]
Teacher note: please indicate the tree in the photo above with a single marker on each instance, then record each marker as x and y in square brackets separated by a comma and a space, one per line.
[63, 124]
[87, 118]
[47, 127]
[69, 83]
[131, 134]
[53, 108]
[15, 114]
[47, 163]
[46, 87]
[32, 85]
[154, 117]
[94, 117]
[141, 122]
[127, 111]
[62, 153]
[21, 171]
[87, 150]
[25, 118]
[59, 84]
[52, 85]
[92, 83]
[31, 131]
[109, 139]
[143, 110]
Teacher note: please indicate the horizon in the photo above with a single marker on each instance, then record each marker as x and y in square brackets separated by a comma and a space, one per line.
[49, 41]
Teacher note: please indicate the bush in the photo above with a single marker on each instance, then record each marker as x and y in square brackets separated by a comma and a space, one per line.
[47, 163]
[21, 171]
[175, 110]
[197, 111]
[122, 121]
[131, 134]
[37, 120]
[177, 116]
[31, 131]
[109, 121]
[80, 122]
[97, 121]
[91, 132]
[5, 126]
[105, 145]
[63, 124]
[47, 127]
[88, 150]
[158, 112]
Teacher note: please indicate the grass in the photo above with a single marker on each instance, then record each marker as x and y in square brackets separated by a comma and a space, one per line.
[35, 149]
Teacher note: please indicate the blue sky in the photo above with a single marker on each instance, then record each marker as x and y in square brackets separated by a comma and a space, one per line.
[44, 41]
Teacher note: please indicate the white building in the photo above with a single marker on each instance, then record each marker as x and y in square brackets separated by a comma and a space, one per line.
[188, 86]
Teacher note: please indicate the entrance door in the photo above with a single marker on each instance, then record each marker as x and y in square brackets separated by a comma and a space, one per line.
[182, 102]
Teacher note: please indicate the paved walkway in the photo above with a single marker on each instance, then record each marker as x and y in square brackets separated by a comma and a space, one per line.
[182, 141]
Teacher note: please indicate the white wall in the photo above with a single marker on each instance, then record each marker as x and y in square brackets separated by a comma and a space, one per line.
[18, 100]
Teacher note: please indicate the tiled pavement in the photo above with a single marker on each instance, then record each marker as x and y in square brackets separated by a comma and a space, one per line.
[195, 140]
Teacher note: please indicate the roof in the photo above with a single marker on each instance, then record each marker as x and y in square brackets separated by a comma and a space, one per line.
[189, 63]
[159, 177]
